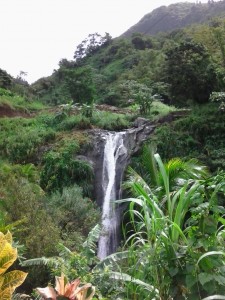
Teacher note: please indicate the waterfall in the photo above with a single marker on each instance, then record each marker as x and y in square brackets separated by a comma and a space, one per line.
[113, 167]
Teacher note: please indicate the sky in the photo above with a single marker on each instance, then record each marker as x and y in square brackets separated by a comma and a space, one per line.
[36, 34]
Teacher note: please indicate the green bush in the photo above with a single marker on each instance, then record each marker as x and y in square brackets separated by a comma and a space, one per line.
[20, 139]
[19, 103]
[197, 135]
[62, 169]
[75, 215]
[22, 199]
[4, 92]
[75, 122]
[111, 121]
[218, 97]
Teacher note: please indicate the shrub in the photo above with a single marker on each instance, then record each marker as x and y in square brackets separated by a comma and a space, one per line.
[63, 169]
[75, 215]
[218, 97]
[20, 139]
[22, 199]
[111, 121]
[4, 92]
[75, 122]
[196, 135]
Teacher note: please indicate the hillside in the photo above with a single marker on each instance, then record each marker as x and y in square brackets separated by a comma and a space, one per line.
[176, 16]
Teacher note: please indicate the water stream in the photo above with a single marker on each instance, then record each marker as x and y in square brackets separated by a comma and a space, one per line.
[113, 167]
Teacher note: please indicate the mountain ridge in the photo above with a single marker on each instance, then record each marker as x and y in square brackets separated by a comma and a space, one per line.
[176, 16]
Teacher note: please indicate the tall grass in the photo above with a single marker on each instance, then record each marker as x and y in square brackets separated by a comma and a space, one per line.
[20, 138]
[110, 121]
[165, 238]
[20, 103]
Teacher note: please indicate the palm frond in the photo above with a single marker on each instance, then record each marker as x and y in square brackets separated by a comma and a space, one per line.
[133, 179]
[90, 245]
[127, 278]
[150, 164]
[42, 261]
[111, 261]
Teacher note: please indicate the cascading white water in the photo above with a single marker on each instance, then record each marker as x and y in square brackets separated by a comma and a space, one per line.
[111, 180]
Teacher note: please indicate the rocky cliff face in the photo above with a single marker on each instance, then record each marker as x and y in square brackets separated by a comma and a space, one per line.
[133, 138]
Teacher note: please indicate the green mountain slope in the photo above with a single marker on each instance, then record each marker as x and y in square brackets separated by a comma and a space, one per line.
[174, 16]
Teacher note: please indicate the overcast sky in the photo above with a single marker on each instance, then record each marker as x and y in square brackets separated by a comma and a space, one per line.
[36, 34]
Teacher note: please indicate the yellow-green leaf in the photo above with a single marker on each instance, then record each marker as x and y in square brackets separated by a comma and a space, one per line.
[1, 282]
[7, 257]
[8, 237]
[12, 280]
[6, 294]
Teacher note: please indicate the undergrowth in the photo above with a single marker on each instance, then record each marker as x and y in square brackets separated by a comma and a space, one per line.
[16, 102]
[200, 135]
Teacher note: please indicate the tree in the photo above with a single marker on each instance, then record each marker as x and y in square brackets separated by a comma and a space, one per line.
[141, 42]
[218, 33]
[88, 46]
[5, 80]
[140, 93]
[80, 84]
[190, 73]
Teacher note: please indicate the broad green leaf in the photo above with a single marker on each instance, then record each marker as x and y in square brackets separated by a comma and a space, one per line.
[111, 260]
[215, 297]
[220, 279]
[126, 277]
[205, 277]
[190, 280]
[173, 271]
[209, 254]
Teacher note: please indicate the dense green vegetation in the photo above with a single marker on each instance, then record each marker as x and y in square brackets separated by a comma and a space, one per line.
[173, 244]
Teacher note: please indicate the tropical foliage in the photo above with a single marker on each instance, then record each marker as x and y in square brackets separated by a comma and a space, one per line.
[173, 240]
[173, 244]
[10, 280]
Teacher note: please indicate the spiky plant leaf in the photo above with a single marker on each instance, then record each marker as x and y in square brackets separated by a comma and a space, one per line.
[71, 288]
[150, 164]
[47, 293]
[81, 292]
[5, 228]
[60, 284]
